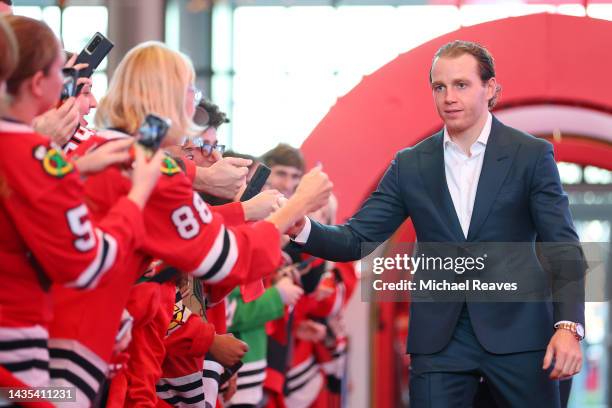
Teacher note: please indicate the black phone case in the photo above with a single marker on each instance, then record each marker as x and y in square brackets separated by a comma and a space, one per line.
[71, 90]
[153, 143]
[229, 372]
[257, 182]
[94, 58]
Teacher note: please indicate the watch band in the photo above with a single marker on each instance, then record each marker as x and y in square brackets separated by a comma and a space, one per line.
[571, 326]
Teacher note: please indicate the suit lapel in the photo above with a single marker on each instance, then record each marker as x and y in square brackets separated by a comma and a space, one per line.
[431, 165]
[498, 159]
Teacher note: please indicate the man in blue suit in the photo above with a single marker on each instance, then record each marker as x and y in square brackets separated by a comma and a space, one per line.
[475, 181]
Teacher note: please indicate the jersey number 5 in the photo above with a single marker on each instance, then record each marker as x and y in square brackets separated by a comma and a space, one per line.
[80, 225]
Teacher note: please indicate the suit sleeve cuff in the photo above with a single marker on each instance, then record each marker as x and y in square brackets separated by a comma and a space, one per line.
[302, 237]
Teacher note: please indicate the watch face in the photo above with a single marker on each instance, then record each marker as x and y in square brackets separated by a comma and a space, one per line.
[580, 330]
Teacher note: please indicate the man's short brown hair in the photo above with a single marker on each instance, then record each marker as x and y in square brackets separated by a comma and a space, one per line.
[284, 155]
[486, 63]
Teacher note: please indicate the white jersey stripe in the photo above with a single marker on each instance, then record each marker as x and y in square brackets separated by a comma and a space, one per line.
[222, 247]
[25, 354]
[104, 260]
[229, 263]
[211, 256]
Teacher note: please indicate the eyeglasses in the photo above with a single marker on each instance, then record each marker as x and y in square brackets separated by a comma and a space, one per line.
[205, 147]
[197, 95]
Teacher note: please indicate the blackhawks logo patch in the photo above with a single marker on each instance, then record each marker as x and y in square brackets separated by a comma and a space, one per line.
[180, 315]
[169, 166]
[53, 161]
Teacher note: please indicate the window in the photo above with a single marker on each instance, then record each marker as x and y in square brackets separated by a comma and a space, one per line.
[287, 66]
[78, 25]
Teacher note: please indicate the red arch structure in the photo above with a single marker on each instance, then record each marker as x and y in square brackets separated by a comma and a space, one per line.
[541, 59]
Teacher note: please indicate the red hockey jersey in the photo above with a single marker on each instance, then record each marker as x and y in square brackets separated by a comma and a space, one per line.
[151, 306]
[81, 135]
[48, 236]
[181, 230]
[186, 345]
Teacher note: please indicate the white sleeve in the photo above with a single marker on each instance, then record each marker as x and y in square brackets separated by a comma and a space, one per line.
[302, 237]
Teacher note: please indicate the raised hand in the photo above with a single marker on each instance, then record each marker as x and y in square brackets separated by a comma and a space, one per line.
[262, 205]
[224, 178]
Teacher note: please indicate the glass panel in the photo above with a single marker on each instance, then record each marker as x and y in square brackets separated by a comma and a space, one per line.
[221, 94]
[285, 109]
[476, 14]
[222, 39]
[260, 112]
[52, 16]
[589, 386]
[312, 40]
[572, 10]
[570, 173]
[367, 37]
[603, 11]
[80, 24]
[526, 9]
[596, 175]
[28, 11]
[172, 24]
[260, 39]
[419, 24]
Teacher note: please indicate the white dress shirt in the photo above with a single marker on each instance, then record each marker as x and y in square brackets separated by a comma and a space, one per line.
[463, 172]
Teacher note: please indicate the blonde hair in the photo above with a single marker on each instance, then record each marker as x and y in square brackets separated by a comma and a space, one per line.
[151, 78]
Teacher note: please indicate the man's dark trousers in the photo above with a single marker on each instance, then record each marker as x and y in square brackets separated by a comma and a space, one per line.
[450, 378]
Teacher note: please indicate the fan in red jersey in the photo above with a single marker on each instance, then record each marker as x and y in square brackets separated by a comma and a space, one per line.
[85, 101]
[180, 230]
[47, 234]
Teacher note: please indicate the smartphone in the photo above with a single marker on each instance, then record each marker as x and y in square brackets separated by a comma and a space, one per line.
[70, 83]
[257, 182]
[126, 325]
[94, 52]
[152, 132]
[229, 372]
[304, 264]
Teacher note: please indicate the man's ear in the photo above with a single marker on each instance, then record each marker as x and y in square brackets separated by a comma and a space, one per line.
[35, 84]
[491, 87]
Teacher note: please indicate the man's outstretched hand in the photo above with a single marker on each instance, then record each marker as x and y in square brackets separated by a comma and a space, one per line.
[296, 228]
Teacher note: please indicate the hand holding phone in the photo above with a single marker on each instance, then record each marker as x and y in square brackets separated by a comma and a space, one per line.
[305, 263]
[69, 87]
[126, 326]
[152, 132]
[94, 52]
[228, 350]
[257, 182]
[229, 372]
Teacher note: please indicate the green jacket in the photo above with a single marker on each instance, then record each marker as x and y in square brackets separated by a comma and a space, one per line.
[247, 320]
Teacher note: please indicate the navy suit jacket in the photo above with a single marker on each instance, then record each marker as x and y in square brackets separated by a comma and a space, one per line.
[519, 197]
